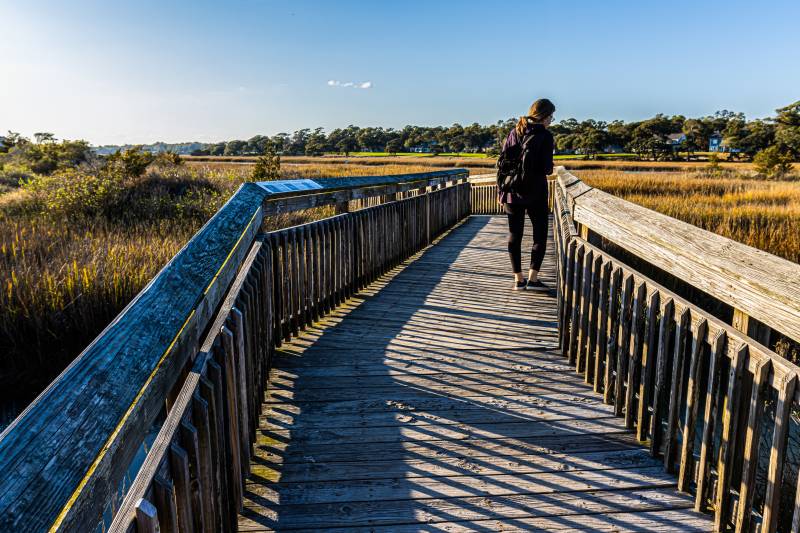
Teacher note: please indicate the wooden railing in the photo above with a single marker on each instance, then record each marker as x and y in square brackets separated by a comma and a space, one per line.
[196, 343]
[700, 392]
[484, 195]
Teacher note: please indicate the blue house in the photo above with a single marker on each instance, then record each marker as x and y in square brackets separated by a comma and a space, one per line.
[425, 147]
[715, 143]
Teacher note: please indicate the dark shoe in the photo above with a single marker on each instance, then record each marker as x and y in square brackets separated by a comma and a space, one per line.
[537, 286]
[520, 285]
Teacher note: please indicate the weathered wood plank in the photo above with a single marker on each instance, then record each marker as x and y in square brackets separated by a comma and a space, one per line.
[570, 512]
[322, 492]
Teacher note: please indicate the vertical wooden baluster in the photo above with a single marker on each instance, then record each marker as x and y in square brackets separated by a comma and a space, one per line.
[344, 257]
[623, 343]
[777, 454]
[351, 255]
[243, 305]
[326, 267]
[729, 430]
[286, 286]
[602, 326]
[714, 396]
[566, 309]
[335, 265]
[337, 261]
[217, 461]
[270, 311]
[233, 414]
[744, 509]
[294, 281]
[586, 298]
[635, 361]
[358, 250]
[317, 252]
[611, 334]
[647, 381]
[686, 462]
[257, 283]
[368, 248]
[164, 496]
[189, 441]
[796, 512]
[179, 466]
[664, 329]
[237, 326]
[676, 389]
[277, 292]
[208, 487]
[302, 283]
[229, 469]
[594, 299]
[311, 254]
[146, 517]
[576, 304]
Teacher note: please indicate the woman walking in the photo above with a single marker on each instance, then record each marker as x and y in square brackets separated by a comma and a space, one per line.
[528, 147]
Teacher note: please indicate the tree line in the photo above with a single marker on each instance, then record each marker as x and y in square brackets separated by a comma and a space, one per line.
[659, 137]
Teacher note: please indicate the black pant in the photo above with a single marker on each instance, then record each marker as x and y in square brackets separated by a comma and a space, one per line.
[537, 211]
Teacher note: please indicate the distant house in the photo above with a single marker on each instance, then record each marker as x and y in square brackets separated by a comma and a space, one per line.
[676, 139]
[613, 149]
[715, 142]
[425, 147]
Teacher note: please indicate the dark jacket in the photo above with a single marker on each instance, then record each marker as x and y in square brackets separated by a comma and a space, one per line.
[539, 163]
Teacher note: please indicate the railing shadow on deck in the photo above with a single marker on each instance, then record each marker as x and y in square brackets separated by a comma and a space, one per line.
[447, 447]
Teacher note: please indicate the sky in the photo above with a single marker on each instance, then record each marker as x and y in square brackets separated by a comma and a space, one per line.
[138, 72]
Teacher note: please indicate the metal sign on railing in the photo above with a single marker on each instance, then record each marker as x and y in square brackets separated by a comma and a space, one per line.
[279, 186]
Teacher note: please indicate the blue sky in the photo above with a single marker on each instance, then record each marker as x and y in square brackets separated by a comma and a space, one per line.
[113, 72]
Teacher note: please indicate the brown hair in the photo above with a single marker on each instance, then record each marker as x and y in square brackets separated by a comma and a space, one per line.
[539, 111]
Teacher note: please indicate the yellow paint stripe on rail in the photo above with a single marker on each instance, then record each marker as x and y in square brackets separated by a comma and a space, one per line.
[233, 249]
[74, 497]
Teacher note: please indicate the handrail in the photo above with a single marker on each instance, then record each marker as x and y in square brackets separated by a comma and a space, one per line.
[756, 284]
[66, 454]
[647, 351]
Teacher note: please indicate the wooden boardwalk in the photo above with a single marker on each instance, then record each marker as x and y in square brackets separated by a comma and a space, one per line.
[437, 400]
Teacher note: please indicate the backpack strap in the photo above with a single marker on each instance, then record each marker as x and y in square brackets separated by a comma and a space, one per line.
[526, 140]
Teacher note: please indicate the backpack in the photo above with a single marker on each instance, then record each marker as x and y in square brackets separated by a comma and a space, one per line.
[511, 171]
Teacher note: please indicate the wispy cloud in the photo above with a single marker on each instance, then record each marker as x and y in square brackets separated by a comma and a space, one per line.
[351, 84]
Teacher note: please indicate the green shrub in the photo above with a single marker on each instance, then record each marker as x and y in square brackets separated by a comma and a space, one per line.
[77, 194]
[130, 163]
[46, 158]
[12, 175]
[773, 163]
[268, 166]
[713, 162]
[168, 160]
